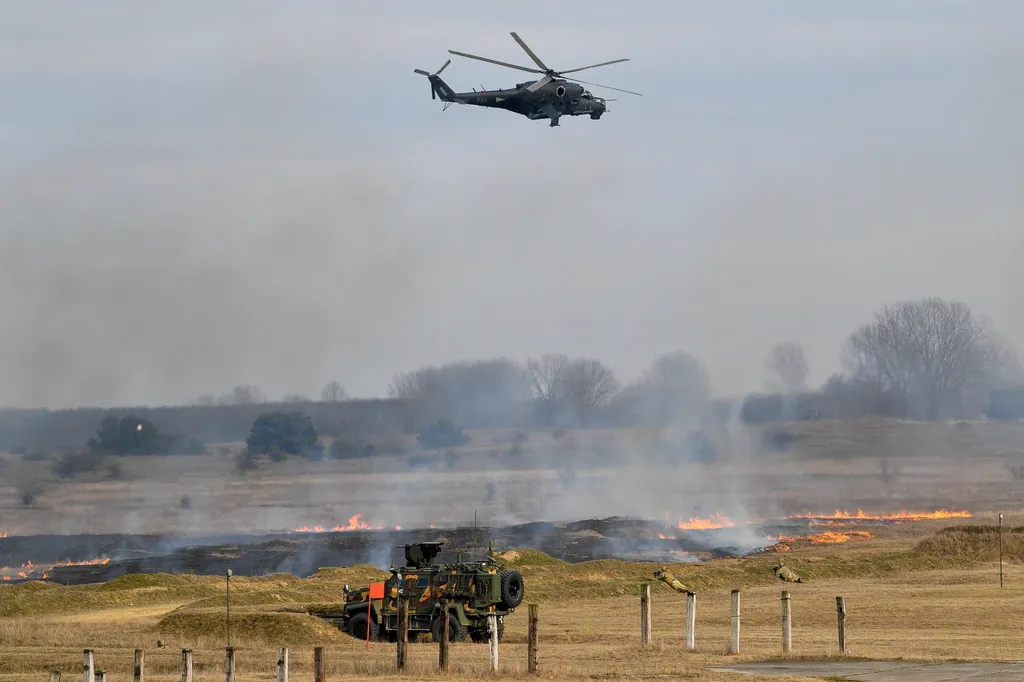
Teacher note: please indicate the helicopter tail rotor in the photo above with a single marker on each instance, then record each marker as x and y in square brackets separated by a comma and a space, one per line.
[436, 82]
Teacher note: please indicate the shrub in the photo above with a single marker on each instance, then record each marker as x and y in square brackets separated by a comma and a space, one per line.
[245, 461]
[70, 464]
[292, 432]
[887, 473]
[35, 456]
[113, 470]
[29, 492]
[442, 434]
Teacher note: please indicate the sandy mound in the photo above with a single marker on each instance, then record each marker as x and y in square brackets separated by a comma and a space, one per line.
[282, 629]
[977, 543]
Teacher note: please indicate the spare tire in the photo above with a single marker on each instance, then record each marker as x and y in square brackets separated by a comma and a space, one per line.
[511, 588]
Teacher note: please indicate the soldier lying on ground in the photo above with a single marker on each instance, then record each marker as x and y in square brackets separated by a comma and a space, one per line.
[783, 572]
[670, 580]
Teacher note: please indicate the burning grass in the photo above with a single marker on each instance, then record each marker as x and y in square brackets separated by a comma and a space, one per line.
[713, 522]
[30, 571]
[844, 517]
[786, 542]
[355, 522]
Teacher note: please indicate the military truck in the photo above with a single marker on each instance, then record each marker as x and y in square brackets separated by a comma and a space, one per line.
[474, 591]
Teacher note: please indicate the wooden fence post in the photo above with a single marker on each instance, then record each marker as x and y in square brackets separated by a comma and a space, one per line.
[101, 676]
[841, 614]
[139, 667]
[229, 664]
[645, 614]
[403, 631]
[734, 644]
[442, 645]
[54, 676]
[531, 641]
[186, 665]
[319, 669]
[691, 621]
[88, 669]
[282, 664]
[492, 626]
[787, 628]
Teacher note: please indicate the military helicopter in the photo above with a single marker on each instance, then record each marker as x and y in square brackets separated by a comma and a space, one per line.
[549, 97]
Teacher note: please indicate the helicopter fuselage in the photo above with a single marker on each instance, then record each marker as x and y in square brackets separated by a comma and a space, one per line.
[550, 101]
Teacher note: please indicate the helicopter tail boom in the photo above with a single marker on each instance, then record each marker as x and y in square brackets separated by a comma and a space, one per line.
[438, 88]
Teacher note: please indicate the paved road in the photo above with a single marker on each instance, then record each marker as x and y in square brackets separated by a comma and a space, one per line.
[885, 671]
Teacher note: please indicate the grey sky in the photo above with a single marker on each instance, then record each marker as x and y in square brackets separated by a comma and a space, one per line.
[193, 196]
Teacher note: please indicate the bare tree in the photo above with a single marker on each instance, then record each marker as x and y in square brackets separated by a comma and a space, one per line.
[483, 393]
[547, 376]
[673, 390]
[589, 384]
[332, 393]
[295, 398]
[247, 394]
[786, 368]
[937, 356]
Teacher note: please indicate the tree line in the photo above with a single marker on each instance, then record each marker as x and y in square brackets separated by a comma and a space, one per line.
[924, 359]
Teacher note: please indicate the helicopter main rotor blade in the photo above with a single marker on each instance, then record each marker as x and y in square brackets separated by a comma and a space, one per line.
[539, 84]
[608, 87]
[534, 57]
[495, 61]
[594, 66]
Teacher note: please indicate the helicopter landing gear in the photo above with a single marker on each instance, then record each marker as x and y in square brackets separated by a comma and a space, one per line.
[554, 122]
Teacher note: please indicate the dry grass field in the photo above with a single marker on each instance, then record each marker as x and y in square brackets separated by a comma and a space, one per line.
[939, 600]
[759, 472]
[935, 601]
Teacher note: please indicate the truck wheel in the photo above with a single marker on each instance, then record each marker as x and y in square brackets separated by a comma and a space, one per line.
[357, 627]
[456, 630]
[511, 588]
[482, 636]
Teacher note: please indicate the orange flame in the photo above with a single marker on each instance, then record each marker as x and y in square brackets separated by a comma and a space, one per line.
[840, 516]
[827, 538]
[3, 533]
[28, 569]
[710, 523]
[355, 522]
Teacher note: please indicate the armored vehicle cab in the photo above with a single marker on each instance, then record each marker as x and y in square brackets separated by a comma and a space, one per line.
[474, 590]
